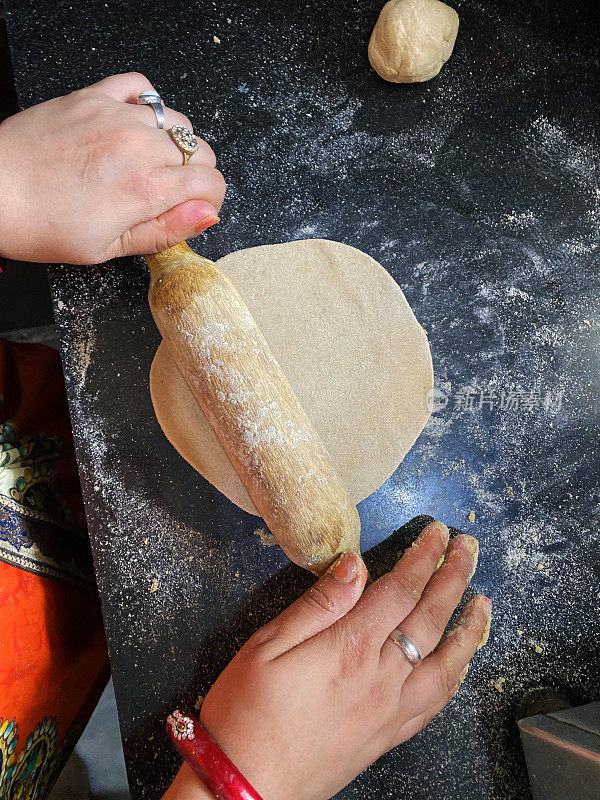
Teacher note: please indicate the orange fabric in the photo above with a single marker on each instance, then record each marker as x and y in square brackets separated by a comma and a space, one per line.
[53, 656]
[52, 652]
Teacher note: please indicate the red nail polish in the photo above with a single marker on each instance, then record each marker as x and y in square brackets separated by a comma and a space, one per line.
[205, 223]
[485, 602]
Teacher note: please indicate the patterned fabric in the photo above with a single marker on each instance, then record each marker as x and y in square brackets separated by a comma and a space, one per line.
[25, 776]
[53, 659]
[41, 517]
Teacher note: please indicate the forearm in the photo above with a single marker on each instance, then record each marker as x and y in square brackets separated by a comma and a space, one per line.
[6, 200]
[187, 786]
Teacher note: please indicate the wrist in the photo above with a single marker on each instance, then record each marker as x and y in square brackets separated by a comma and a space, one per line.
[187, 786]
[207, 760]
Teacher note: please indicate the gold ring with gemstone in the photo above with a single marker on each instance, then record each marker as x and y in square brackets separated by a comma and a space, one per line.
[185, 140]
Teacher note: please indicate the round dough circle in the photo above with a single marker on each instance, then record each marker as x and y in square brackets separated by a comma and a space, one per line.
[350, 346]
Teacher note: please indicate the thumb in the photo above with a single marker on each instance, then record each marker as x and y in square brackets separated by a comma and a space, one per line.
[181, 222]
[332, 596]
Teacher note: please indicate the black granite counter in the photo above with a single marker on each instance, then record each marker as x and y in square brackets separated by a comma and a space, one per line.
[479, 193]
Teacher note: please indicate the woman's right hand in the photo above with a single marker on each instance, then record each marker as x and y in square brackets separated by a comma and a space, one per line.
[321, 692]
[88, 176]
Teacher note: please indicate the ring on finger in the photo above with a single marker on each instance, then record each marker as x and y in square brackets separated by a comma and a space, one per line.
[151, 98]
[185, 140]
[407, 646]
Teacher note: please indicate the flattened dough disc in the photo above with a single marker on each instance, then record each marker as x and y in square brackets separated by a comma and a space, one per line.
[350, 346]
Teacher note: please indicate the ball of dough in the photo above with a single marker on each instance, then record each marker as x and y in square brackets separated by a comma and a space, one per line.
[412, 40]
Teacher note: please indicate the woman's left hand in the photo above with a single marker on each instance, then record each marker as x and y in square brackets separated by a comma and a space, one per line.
[89, 176]
[319, 693]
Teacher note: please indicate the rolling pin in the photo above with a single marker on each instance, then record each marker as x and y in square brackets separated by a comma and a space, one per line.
[237, 382]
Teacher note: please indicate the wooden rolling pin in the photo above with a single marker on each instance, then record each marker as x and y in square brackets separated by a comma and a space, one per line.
[243, 392]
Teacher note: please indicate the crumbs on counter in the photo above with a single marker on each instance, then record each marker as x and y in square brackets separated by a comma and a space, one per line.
[266, 537]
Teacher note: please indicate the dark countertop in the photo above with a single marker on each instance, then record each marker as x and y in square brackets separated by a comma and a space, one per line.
[479, 192]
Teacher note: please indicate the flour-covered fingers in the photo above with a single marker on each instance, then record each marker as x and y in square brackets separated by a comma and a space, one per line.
[426, 623]
[389, 599]
[439, 673]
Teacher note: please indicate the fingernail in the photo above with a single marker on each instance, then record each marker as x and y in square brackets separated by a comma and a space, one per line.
[345, 568]
[463, 674]
[470, 546]
[434, 528]
[205, 223]
[442, 530]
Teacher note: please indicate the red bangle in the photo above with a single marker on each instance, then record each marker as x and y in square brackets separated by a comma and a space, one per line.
[205, 757]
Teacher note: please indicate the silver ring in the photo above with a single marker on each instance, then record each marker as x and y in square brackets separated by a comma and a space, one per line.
[407, 646]
[152, 98]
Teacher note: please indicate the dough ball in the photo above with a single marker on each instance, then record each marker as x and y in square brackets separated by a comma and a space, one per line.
[412, 40]
[350, 346]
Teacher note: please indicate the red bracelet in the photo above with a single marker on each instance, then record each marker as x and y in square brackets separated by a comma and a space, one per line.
[206, 758]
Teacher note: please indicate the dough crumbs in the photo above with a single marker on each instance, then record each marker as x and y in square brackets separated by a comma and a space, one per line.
[587, 322]
[471, 516]
[153, 586]
[485, 635]
[216, 40]
[499, 685]
[266, 537]
[199, 702]
[538, 648]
